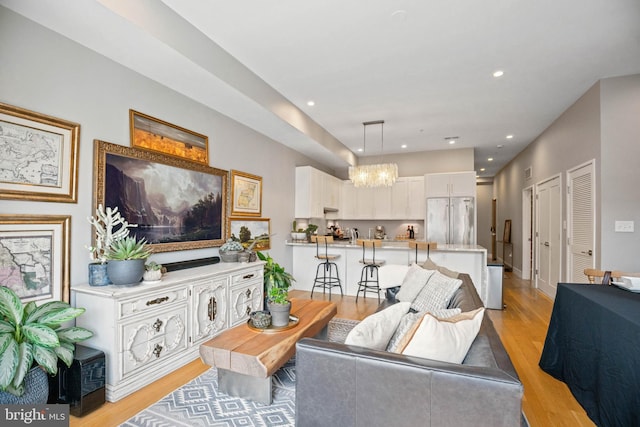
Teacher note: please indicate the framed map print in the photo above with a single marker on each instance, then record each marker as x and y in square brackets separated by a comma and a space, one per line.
[34, 256]
[39, 156]
[246, 194]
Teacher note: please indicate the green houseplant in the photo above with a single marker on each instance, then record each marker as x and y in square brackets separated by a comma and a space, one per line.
[127, 258]
[276, 284]
[31, 338]
[110, 227]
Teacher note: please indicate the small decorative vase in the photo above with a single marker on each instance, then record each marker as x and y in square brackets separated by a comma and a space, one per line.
[152, 275]
[125, 272]
[98, 275]
[229, 256]
[279, 313]
[36, 390]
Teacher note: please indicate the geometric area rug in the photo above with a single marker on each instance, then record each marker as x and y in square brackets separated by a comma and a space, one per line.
[199, 403]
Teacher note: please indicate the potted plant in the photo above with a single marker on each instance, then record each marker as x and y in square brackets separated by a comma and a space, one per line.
[311, 228]
[110, 227]
[276, 284]
[31, 342]
[230, 249]
[152, 272]
[127, 258]
[297, 233]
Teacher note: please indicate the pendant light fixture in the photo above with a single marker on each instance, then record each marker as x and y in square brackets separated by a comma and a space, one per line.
[376, 175]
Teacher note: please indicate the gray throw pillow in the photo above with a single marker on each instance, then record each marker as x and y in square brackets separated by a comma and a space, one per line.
[413, 282]
[435, 295]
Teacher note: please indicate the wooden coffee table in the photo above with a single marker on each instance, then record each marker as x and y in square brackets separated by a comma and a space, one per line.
[247, 358]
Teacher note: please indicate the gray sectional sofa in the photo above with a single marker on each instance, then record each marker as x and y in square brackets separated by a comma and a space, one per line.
[351, 386]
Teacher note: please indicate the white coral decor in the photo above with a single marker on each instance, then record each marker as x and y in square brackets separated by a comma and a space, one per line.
[104, 222]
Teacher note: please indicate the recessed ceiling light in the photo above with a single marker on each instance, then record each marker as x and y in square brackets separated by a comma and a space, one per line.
[452, 141]
[499, 145]
[360, 150]
[403, 146]
[490, 159]
[482, 169]
[498, 73]
[509, 136]
[311, 103]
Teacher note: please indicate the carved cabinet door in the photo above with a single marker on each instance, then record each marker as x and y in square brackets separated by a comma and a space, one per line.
[210, 309]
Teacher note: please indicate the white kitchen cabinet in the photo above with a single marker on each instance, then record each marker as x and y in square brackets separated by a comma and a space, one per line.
[456, 184]
[407, 199]
[348, 206]
[382, 202]
[314, 191]
[308, 193]
[148, 331]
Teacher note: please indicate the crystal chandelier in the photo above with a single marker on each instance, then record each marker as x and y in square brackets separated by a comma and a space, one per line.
[376, 175]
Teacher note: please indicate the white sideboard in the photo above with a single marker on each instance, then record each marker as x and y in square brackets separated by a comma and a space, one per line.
[149, 330]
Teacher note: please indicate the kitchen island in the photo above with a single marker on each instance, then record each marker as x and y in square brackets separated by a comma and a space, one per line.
[470, 259]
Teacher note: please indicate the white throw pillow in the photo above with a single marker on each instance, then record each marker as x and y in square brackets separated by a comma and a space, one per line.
[390, 275]
[408, 324]
[376, 330]
[413, 282]
[436, 294]
[446, 340]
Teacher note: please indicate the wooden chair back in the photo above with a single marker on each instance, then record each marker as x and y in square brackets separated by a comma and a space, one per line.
[596, 276]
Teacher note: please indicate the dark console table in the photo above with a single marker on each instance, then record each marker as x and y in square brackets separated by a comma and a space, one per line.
[593, 345]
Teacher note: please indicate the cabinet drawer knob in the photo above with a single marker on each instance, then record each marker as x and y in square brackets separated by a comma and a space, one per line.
[248, 293]
[248, 276]
[157, 300]
[157, 349]
[157, 325]
[248, 310]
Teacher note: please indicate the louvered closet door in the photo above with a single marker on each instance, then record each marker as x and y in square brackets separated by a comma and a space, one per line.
[581, 222]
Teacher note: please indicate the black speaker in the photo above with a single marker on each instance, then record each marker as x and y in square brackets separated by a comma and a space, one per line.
[82, 385]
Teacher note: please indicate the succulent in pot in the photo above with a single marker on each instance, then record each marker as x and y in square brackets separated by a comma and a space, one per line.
[230, 249]
[32, 335]
[152, 271]
[126, 260]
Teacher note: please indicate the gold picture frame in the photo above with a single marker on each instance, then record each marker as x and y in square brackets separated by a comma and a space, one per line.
[51, 147]
[246, 194]
[150, 133]
[177, 204]
[38, 248]
[248, 229]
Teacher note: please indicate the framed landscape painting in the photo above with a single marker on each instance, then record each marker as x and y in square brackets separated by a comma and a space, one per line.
[157, 135]
[246, 194]
[177, 204]
[248, 230]
[34, 256]
[39, 160]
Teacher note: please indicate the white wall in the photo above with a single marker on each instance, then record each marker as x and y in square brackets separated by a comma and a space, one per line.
[47, 73]
[602, 125]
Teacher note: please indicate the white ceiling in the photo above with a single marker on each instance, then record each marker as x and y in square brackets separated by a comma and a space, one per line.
[424, 67]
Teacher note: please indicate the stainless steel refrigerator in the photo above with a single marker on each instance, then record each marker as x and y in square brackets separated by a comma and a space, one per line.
[451, 220]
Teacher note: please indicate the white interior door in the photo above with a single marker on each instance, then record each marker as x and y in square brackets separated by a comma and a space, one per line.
[548, 235]
[527, 232]
[581, 222]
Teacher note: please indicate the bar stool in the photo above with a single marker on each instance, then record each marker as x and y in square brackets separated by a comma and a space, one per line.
[369, 276]
[327, 276]
[422, 246]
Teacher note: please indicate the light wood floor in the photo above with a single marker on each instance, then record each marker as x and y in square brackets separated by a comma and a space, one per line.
[522, 327]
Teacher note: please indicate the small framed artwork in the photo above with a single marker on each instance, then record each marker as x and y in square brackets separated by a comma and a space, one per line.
[506, 237]
[34, 256]
[157, 135]
[39, 156]
[248, 230]
[246, 194]
[177, 204]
